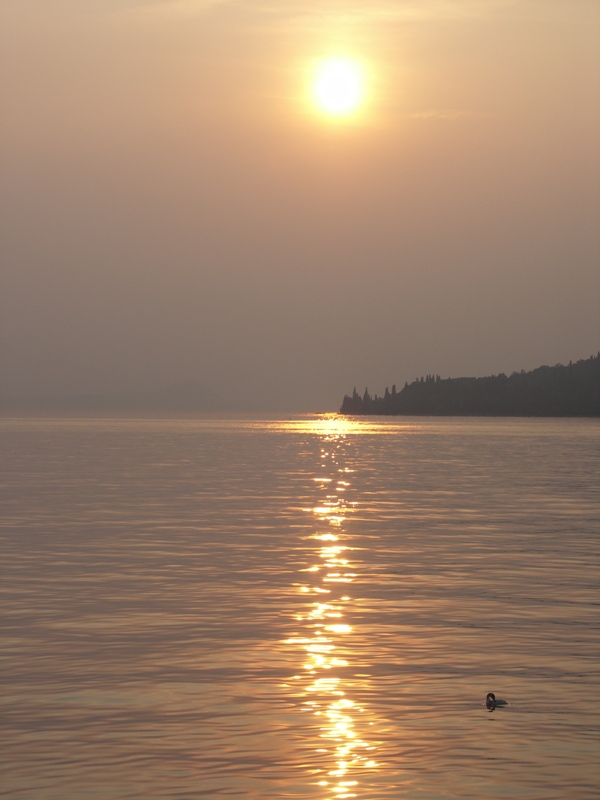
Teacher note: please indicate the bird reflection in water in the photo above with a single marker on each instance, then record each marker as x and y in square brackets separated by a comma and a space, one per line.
[324, 685]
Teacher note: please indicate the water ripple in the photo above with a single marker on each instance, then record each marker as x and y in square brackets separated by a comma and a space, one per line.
[304, 608]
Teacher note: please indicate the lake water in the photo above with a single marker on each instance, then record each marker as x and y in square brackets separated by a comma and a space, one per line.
[299, 608]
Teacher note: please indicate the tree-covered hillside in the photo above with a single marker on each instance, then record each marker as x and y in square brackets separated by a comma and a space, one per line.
[559, 391]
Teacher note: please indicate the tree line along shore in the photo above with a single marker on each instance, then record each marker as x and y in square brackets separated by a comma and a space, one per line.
[559, 391]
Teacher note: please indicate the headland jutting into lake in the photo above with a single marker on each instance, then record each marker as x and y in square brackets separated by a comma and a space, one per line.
[559, 391]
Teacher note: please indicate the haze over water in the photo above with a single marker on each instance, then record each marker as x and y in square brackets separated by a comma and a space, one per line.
[311, 607]
[180, 203]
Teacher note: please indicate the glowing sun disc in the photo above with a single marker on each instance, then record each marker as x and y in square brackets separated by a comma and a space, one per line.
[338, 86]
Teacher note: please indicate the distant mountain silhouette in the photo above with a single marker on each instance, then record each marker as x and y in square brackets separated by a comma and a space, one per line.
[186, 397]
[559, 391]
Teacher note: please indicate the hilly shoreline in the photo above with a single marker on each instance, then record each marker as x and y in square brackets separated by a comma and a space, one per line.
[559, 391]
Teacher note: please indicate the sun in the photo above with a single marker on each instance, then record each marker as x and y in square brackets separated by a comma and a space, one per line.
[338, 86]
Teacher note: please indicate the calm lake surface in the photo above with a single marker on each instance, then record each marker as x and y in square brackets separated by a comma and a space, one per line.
[311, 607]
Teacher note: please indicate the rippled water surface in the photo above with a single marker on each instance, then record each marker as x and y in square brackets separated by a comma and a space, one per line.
[304, 608]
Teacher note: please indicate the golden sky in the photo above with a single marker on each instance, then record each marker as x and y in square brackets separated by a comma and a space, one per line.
[176, 206]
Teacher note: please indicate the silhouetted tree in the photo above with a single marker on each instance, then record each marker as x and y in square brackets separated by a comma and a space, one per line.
[573, 390]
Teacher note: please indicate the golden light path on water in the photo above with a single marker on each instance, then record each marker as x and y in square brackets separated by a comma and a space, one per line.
[343, 749]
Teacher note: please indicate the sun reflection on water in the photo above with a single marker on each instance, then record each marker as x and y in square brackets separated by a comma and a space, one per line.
[324, 686]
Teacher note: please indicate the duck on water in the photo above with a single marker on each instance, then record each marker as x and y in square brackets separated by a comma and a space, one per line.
[491, 702]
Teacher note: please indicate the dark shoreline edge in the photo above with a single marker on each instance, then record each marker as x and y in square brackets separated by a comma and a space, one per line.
[559, 391]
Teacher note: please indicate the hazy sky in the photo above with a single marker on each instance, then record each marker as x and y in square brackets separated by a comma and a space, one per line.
[175, 207]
